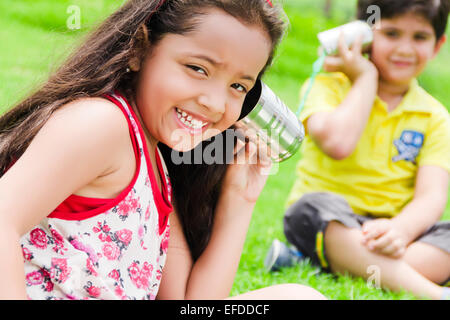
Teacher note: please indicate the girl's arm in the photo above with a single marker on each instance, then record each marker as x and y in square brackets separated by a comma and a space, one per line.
[212, 275]
[337, 133]
[178, 265]
[74, 147]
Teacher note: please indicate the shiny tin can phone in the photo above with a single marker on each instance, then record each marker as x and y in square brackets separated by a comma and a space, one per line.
[265, 115]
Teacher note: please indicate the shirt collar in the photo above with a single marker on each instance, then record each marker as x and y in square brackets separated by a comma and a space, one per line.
[413, 101]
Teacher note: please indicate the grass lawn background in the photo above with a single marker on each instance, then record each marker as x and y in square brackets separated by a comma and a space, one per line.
[34, 40]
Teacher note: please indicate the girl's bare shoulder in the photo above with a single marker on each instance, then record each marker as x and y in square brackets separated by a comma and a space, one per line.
[94, 114]
[93, 111]
[107, 125]
[81, 142]
[94, 125]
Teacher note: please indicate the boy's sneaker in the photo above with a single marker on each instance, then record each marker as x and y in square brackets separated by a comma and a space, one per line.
[280, 256]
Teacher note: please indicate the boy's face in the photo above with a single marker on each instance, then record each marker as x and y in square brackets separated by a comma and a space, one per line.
[402, 47]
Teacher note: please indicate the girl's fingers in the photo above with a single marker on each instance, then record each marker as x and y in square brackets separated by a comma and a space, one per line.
[241, 140]
[264, 160]
[263, 151]
[245, 153]
[238, 146]
[251, 149]
[264, 155]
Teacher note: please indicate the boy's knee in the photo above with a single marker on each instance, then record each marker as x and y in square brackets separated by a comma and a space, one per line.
[337, 232]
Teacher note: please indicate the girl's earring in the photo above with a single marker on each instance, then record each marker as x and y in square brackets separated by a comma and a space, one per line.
[134, 64]
[128, 70]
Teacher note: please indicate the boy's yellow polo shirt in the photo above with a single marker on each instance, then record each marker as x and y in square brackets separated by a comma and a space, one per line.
[379, 177]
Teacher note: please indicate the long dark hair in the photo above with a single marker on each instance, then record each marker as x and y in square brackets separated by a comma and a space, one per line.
[100, 65]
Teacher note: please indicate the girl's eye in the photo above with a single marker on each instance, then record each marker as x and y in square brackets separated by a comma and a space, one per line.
[197, 69]
[239, 87]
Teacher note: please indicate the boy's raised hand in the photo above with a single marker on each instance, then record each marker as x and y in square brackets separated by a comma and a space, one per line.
[350, 60]
[383, 236]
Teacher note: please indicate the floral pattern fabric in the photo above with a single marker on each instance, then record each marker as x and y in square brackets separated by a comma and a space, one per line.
[116, 254]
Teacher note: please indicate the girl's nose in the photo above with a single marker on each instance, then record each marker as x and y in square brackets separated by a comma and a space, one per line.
[213, 99]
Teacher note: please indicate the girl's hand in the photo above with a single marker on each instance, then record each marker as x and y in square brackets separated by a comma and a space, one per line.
[248, 173]
[385, 237]
[350, 61]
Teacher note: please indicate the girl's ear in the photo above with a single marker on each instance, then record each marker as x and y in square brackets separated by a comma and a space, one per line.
[140, 45]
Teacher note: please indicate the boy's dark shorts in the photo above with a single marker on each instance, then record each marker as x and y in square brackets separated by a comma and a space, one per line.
[305, 223]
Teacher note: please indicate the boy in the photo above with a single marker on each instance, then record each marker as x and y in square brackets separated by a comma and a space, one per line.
[373, 181]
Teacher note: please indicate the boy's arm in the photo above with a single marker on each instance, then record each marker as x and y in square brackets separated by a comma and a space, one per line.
[337, 132]
[392, 236]
[428, 204]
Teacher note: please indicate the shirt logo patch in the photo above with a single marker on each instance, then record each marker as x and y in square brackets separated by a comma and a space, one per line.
[409, 146]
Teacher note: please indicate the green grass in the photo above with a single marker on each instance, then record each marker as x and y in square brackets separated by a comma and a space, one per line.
[35, 40]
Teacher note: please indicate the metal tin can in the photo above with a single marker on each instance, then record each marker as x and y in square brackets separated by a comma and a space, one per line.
[329, 39]
[272, 121]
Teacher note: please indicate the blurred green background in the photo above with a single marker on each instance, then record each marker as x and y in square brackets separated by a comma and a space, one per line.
[35, 39]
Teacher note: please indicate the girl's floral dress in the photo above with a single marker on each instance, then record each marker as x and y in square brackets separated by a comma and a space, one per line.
[104, 248]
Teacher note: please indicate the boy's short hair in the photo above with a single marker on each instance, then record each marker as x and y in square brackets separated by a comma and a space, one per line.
[435, 11]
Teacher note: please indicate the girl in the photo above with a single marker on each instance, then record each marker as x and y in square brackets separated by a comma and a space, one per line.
[84, 149]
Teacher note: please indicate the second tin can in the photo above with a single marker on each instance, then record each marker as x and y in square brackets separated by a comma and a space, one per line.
[329, 39]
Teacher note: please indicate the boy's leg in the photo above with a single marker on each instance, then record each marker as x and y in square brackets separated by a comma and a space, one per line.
[325, 215]
[430, 254]
[346, 253]
[305, 222]
[432, 262]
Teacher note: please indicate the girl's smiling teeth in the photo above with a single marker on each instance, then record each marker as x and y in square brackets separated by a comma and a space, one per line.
[190, 120]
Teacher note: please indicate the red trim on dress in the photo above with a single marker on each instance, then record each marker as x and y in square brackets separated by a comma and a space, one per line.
[162, 202]
[164, 210]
